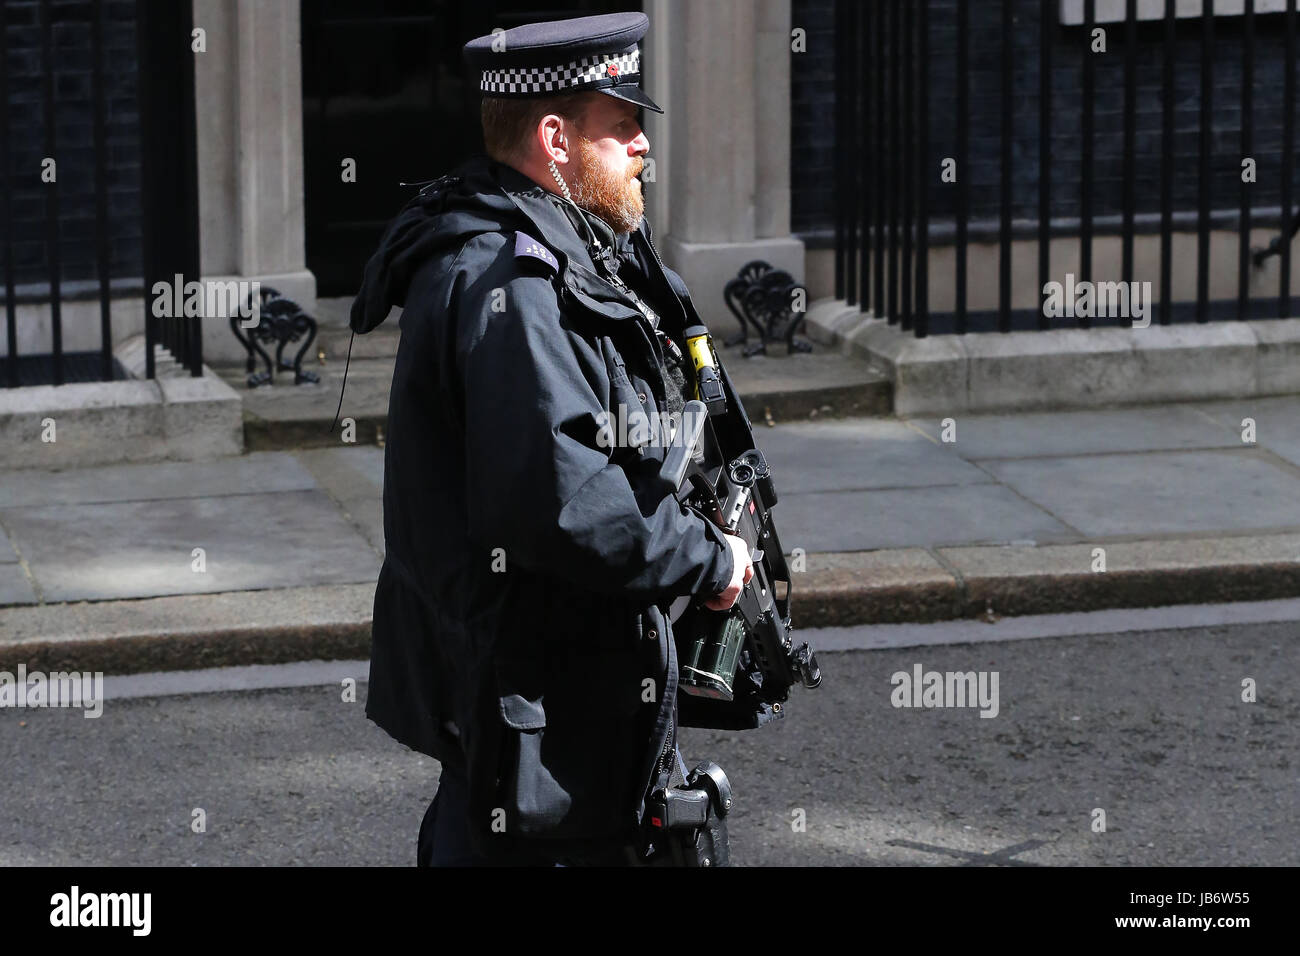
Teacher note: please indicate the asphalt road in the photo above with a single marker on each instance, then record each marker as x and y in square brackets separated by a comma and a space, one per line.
[1149, 727]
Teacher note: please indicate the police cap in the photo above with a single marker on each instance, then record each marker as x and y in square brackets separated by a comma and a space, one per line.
[564, 56]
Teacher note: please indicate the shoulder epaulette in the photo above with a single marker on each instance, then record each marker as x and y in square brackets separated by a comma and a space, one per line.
[529, 248]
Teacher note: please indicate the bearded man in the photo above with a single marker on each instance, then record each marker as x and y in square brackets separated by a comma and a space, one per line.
[522, 633]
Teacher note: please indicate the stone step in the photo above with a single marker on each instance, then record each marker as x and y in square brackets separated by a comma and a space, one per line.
[284, 415]
[823, 383]
[775, 388]
[333, 334]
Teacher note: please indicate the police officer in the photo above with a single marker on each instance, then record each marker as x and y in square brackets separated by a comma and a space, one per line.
[521, 628]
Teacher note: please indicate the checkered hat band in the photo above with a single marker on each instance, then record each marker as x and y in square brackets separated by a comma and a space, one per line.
[584, 72]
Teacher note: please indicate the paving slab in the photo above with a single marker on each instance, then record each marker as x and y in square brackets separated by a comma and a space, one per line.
[15, 588]
[354, 478]
[144, 548]
[922, 517]
[259, 472]
[1277, 422]
[1144, 428]
[7, 552]
[369, 462]
[860, 453]
[1159, 492]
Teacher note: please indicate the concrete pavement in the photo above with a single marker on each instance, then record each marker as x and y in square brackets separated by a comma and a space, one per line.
[273, 556]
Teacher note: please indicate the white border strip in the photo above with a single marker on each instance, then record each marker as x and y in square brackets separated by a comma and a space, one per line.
[223, 680]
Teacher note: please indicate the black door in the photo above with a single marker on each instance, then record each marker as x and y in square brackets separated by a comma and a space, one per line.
[384, 86]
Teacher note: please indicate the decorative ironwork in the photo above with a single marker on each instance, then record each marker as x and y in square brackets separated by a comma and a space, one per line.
[763, 299]
[281, 321]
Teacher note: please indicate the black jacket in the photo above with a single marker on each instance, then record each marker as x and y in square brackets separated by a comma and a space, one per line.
[520, 625]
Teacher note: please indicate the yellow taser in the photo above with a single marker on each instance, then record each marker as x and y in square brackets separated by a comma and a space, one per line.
[708, 386]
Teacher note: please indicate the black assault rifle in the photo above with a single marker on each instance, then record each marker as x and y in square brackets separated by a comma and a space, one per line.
[736, 666]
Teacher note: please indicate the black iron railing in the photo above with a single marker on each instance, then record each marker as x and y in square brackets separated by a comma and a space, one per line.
[896, 210]
[168, 187]
[169, 171]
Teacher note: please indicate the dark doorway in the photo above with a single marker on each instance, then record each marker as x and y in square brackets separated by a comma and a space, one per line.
[384, 86]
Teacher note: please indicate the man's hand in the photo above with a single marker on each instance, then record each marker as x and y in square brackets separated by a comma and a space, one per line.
[740, 575]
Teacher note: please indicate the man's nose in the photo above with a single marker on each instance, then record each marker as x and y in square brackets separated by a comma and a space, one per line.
[641, 145]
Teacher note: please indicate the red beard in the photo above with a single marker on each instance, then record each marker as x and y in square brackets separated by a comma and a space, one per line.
[613, 195]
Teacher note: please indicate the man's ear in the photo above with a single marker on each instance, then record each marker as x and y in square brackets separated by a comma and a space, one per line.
[555, 140]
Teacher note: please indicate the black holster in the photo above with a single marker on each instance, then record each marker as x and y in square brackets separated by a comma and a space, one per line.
[687, 825]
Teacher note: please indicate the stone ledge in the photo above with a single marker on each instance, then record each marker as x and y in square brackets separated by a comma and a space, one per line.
[1069, 368]
[174, 416]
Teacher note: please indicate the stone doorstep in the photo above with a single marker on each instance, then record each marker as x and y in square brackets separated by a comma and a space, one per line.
[823, 384]
[838, 589]
[788, 388]
[798, 387]
[1068, 368]
[264, 433]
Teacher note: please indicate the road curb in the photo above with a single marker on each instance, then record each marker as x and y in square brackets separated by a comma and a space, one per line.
[185, 632]
[925, 585]
[910, 585]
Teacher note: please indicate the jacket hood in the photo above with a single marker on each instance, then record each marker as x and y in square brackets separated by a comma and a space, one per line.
[481, 195]
[446, 214]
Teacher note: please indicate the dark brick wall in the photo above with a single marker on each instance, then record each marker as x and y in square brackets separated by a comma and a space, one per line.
[814, 94]
[74, 137]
